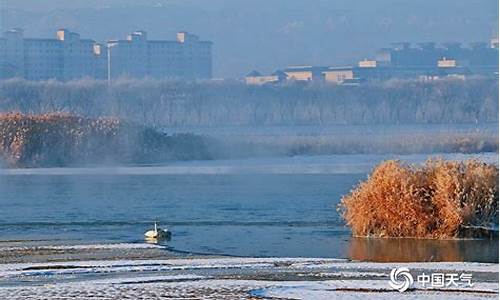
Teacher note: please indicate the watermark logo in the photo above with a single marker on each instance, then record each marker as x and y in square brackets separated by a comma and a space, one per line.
[401, 279]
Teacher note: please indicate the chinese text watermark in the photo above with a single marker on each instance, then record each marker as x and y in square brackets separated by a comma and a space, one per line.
[402, 280]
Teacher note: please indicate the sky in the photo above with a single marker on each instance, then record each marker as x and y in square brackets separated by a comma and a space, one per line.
[265, 35]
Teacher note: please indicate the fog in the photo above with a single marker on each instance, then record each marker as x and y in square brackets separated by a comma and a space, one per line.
[265, 35]
[163, 103]
[231, 120]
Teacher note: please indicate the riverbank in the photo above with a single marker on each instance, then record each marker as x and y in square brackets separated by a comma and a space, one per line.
[236, 278]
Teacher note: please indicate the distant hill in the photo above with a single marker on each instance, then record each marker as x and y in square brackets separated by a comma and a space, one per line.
[261, 34]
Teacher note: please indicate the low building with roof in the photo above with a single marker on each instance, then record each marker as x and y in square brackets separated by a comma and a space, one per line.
[338, 75]
[304, 73]
[256, 78]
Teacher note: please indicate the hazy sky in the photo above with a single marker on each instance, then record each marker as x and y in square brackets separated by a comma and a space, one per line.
[265, 34]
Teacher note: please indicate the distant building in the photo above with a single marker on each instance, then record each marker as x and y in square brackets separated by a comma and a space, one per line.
[138, 57]
[426, 61]
[256, 78]
[446, 63]
[63, 58]
[478, 57]
[69, 57]
[304, 73]
[429, 61]
[367, 63]
[338, 75]
[494, 42]
[12, 55]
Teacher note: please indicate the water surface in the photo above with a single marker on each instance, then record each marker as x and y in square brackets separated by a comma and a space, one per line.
[291, 212]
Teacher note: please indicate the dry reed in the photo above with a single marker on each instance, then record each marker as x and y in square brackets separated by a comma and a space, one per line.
[436, 200]
[61, 139]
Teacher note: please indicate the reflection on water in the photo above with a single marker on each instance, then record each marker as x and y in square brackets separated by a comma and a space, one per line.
[411, 250]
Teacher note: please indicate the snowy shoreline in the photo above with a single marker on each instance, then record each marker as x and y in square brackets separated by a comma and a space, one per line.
[230, 278]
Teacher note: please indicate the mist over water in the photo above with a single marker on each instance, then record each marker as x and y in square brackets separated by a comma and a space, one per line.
[255, 207]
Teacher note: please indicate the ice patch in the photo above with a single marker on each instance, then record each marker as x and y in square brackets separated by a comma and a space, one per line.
[119, 266]
[366, 289]
[146, 279]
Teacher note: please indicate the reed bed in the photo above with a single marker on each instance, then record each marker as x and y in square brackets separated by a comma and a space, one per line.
[440, 199]
[61, 139]
[397, 143]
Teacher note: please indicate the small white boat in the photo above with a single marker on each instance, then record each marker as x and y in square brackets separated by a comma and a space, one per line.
[157, 233]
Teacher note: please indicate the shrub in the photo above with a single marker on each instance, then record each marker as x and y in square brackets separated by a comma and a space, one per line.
[436, 200]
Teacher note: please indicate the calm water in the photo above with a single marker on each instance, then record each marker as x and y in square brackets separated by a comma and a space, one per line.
[252, 214]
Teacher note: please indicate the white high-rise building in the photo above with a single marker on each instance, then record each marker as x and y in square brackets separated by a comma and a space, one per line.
[69, 57]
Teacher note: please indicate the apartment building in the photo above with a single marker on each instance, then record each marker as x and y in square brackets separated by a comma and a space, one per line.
[185, 58]
[423, 61]
[68, 57]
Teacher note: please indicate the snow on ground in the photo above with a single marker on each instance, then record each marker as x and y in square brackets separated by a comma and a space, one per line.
[365, 290]
[235, 289]
[448, 266]
[232, 278]
[226, 263]
[107, 266]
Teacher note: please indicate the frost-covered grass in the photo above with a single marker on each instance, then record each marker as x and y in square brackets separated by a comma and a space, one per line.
[396, 143]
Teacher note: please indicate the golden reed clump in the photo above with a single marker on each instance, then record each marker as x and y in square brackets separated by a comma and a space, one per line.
[436, 200]
[61, 139]
[26, 139]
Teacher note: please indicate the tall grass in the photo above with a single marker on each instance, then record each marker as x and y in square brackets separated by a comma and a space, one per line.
[437, 200]
[61, 139]
[398, 143]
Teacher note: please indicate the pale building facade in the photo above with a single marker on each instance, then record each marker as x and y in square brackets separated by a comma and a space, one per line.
[446, 63]
[256, 78]
[367, 63]
[69, 57]
[338, 75]
[304, 73]
[64, 58]
[137, 57]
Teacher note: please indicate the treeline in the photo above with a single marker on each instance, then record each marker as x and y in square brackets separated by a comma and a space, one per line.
[169, 103]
